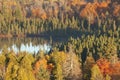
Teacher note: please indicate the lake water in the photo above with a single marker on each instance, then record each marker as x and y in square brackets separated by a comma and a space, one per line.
[31, 48]
[31, 45]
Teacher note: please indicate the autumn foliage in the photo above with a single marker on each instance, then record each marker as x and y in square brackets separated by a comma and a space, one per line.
[37, 12]
[116, 11]
[89, 12]
[104, 66]
[40, 63]
[43, 63]
[116, 68]
[92, 10]
[108, 68]
[45, 9]
[95, 51]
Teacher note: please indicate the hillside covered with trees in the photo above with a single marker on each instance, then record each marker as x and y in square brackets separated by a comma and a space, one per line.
[92, 49]
[39, 17]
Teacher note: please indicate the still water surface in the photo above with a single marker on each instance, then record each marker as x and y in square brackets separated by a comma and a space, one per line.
[30, 48]
[31, 45]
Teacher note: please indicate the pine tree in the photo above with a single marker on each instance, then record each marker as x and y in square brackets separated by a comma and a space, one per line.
[2, 66]
[96, 73]
[58, 73]
[58, 59]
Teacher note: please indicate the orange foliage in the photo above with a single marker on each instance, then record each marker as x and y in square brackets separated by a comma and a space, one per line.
[90, 8]
[74, 2]
[103, 5]
[90, 11]
[77, 2]
[37, 12]
[43, 16]
[50, 67]
[40, 63]
[43, 63]
[116, 68]
[107, 68]
[104, 66]
[116, 11]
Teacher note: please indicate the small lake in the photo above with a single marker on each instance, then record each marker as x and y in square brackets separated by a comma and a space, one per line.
[30, 48]
[31, 45]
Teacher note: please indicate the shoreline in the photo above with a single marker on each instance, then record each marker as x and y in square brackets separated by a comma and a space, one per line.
[38, 35]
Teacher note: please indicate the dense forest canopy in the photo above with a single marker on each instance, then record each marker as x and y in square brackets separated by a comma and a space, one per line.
[35, 17]
[92, 28]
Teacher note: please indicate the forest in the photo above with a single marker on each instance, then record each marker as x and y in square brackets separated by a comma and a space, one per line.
[90, 30]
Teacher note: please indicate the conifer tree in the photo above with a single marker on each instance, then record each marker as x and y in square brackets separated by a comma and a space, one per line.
[96, 73]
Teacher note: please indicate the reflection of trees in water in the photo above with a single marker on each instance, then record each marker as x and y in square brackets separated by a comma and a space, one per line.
[8, 42]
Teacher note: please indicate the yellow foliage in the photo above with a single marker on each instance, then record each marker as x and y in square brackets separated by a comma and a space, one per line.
[59, 57]
[10, 3]
[47, 57]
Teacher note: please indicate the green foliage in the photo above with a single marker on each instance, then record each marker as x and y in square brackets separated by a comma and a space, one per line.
[96, 47]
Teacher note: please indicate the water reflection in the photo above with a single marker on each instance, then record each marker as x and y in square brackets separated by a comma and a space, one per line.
[31, 45]
[31, 48]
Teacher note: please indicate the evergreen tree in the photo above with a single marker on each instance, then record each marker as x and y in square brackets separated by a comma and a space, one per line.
[58, 73]
[96, 73]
